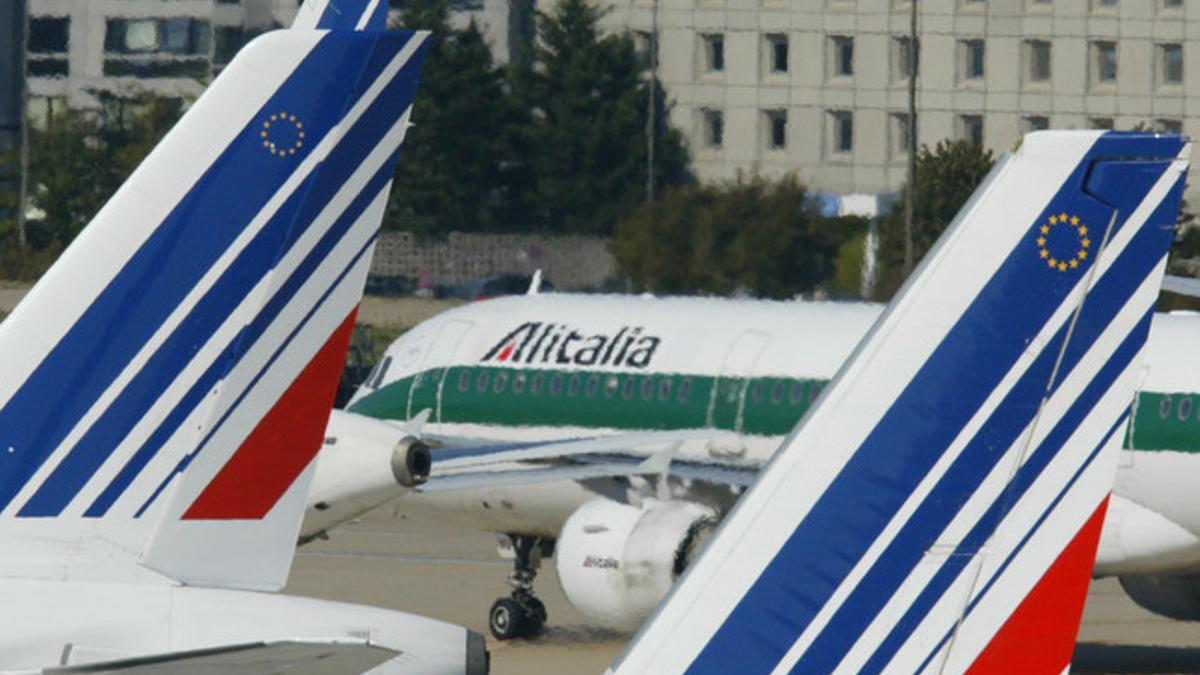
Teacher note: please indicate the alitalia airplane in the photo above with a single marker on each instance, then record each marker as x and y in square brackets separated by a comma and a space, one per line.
[619, 431]
[147, 505]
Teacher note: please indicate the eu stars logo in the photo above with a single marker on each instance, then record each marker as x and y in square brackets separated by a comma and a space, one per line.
[1063, 242]
[282, 134]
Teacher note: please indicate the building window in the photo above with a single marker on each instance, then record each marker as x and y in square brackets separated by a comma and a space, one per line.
[1170, 64]
[970, 56]
[777, 53]
[646, 47]
[1037, 61]
[1101, 123]
[970, 128]
[1103, 62]
[1040, 4]
[1171, 4]
[776, 128]
[1034, 123]
[902, 59]
[841, 56]
[899, 130]
[841, 131]
[714, 53]
[713, 131]
[1104, 5]
[49, 36]
[181, 36]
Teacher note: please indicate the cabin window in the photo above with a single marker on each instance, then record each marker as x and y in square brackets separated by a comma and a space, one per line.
[556, 384]
[797, 393]
[500, 381]
[611, 385]
[758, 391]
[777, 392]
[573, 386]
[464, 380]
[627, 390]
[593, 385]
[664, 389]
[1185, 408]
[1164, 408]
[481, 382]
[535, 384]
[519, 383]
[648, 389]
[685, 390]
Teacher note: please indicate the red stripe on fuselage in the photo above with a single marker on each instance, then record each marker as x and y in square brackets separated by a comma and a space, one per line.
[283, 443]
[1039, 637]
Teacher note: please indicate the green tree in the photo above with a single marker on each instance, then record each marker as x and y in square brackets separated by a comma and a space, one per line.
[459, 168]
[586, 146]
[77, 160]
[946, 177]
[763, 237]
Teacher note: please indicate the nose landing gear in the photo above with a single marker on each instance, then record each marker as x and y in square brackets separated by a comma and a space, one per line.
[522, 614]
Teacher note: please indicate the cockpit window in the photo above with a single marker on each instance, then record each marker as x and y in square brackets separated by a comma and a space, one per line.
[383, 368]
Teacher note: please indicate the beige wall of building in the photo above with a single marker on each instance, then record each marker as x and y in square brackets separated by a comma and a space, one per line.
[984, 71]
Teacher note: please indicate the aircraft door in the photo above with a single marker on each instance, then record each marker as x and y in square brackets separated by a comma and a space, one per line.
[427, 384]
[727, 402]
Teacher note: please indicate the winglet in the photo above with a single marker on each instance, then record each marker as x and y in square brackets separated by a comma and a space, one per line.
[939, 510]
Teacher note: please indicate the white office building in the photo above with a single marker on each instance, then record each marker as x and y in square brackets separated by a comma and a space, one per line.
[82, 51]
[819, 87]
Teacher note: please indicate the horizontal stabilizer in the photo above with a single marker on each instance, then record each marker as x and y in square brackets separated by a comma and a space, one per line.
[305, 657]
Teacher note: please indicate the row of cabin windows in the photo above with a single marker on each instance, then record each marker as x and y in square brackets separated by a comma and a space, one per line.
[1182, 411]
[647, 388]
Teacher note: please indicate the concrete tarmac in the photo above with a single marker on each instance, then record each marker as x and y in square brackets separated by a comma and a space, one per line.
[417, 565]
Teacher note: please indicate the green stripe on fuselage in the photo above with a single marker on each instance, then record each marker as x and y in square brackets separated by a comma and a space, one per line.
[767, 406]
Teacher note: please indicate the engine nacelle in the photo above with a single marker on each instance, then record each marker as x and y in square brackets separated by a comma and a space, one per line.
[1175, 596]
[616, 561]
[411, 461]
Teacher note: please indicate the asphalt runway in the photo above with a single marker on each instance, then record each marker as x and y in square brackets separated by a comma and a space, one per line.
[412, 563]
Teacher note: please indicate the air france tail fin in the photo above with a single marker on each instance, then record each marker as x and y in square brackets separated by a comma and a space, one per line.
[939, 509]
[201, 320]
[342, 15]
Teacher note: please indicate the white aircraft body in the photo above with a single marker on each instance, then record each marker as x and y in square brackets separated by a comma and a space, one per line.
[620, 429]
[166, 385]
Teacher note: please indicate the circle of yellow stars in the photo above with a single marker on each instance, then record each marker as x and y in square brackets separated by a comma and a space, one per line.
[282, 118]
[1064, 264]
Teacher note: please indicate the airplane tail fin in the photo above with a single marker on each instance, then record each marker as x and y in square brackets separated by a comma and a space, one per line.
[939, 509]
[201, 320]
[368, 15]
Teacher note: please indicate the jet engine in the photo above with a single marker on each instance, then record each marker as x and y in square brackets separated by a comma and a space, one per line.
[365, 462]
[616, 561]
[1175, 596]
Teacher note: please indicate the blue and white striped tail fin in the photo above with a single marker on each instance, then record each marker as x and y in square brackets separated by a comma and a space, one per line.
[342, 15]
[200, 321]
[939, 509]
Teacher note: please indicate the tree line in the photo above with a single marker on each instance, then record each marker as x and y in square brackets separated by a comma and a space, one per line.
[556, 143]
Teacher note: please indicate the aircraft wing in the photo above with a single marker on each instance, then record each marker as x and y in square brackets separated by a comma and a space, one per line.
[298, 657]
[588, 466]
[458, 454]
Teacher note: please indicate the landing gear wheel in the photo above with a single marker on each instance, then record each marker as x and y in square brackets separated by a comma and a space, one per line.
[508, 619]
[535, 617]
[522, 614]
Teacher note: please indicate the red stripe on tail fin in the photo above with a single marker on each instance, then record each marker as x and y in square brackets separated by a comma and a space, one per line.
[283, 443]
[1039, 637]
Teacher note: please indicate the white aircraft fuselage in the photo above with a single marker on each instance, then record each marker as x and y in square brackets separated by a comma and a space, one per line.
[560, 366]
